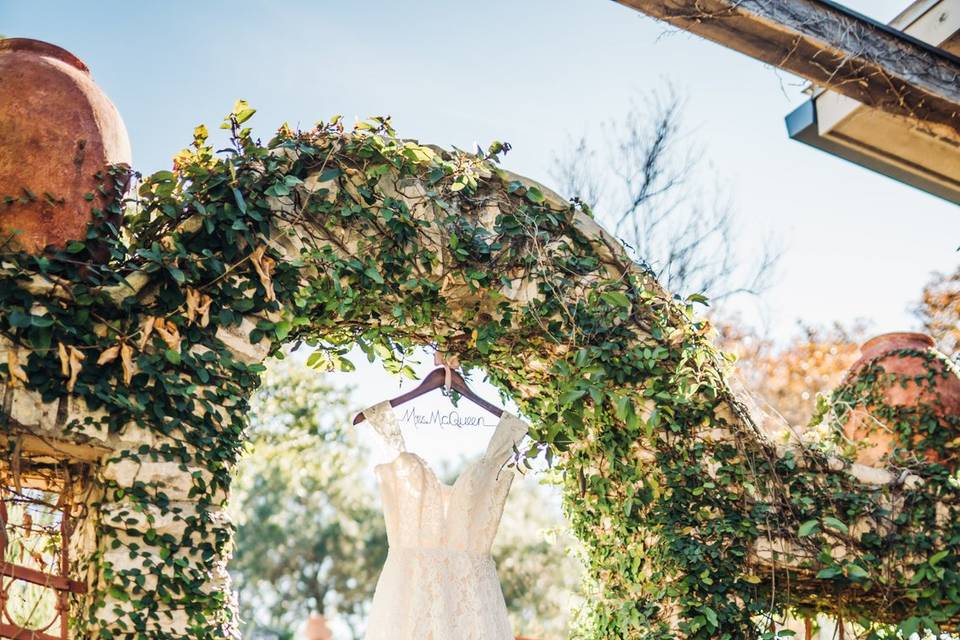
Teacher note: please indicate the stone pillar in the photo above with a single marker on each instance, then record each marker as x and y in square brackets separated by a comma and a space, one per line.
[150, 509]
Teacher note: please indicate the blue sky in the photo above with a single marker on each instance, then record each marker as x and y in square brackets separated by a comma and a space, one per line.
[533, 72]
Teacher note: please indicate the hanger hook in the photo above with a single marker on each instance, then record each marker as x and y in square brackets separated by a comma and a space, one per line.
[448, 362]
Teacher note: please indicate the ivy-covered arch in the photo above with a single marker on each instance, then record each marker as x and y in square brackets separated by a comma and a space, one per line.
[695, 525]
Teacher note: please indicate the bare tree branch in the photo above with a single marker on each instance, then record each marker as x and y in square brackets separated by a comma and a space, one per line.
[686, 234]
[575, 172]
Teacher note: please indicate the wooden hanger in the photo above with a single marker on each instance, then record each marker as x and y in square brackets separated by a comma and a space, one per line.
[442, 377]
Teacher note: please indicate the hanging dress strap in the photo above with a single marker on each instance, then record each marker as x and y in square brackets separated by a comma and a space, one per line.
[385, 423]
[509, 432]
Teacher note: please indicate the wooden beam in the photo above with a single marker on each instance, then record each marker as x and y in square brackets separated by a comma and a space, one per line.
[832, 47]
[56, 451]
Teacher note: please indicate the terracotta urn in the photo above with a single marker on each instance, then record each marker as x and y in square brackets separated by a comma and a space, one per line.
[57, 131]
[316, 628]
[902, 379]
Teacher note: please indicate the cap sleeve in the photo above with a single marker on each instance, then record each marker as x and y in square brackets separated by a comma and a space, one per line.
[510, 431]
[384, 421]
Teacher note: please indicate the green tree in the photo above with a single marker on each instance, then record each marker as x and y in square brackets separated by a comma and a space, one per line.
[537, 563]
[939, 310]
[30, 537]
[310, 533]
[310, 536]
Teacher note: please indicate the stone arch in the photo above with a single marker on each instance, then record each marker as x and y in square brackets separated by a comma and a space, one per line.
[690, 515]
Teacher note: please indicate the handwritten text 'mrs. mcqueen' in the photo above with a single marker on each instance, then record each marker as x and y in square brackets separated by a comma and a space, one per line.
[451, 418]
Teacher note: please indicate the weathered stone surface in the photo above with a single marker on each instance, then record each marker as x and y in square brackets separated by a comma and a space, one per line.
[174, 479]
[237, 340]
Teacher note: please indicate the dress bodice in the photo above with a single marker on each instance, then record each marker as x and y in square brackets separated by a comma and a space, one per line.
[422, 512]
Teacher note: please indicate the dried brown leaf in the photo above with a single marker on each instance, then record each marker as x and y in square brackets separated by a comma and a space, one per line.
[146, 330]
[264, 265]
[169, 332]
[109, 355]
[17, 374]
[76, 358]
[126, 358]
[64, 359]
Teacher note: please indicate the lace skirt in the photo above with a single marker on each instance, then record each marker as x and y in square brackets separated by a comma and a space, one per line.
[438, 594]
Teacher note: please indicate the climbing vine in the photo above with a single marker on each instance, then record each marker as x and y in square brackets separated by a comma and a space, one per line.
[695, 525]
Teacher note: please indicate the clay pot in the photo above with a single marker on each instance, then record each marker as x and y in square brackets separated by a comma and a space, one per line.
[316, 628]
[57, 130]
[942, 396]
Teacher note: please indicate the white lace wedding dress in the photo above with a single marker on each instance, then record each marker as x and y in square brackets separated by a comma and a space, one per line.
[439, 581]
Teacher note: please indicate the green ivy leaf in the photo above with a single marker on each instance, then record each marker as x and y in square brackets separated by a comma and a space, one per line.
[698, 297]
[374, 275]
[711, 616]
[330, 173]
[856, 571]
[18, 318]
[909, 626]
[282, 329]
[242, 111]
[241, 203]
[535, 196]
[829, 573]
[572, 396]
[616, 299]
[835, 524]
[808, 528]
